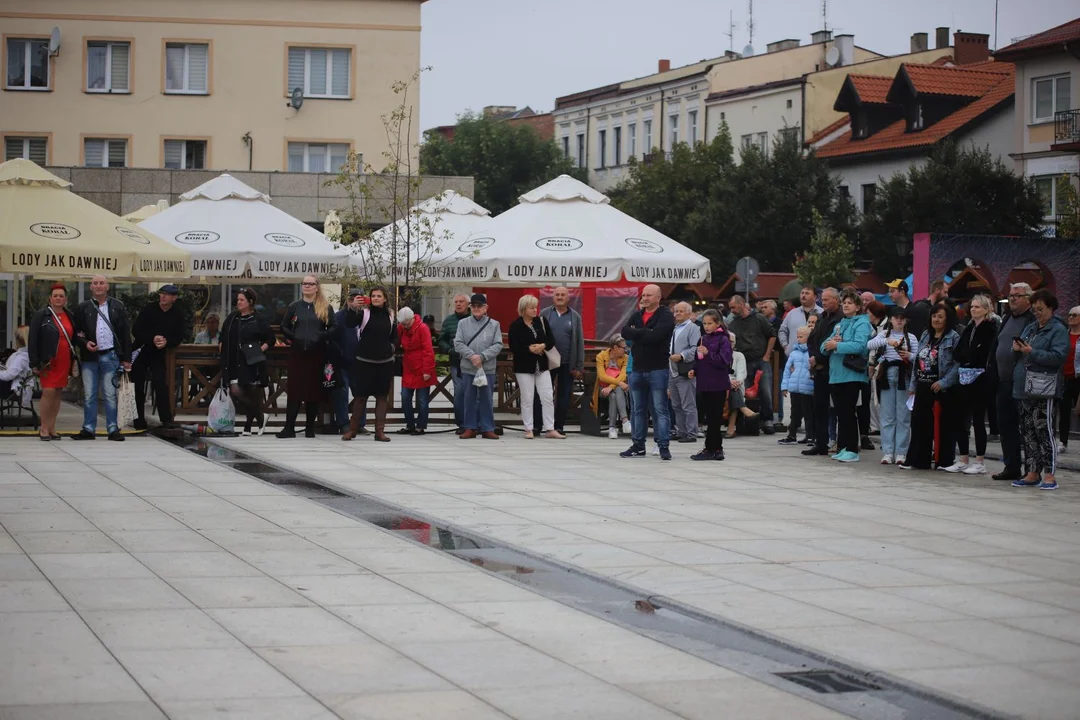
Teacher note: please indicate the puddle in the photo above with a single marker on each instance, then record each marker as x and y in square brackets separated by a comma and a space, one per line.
[857, 692]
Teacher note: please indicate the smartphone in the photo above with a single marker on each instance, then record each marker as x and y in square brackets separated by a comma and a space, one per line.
[1016, 339]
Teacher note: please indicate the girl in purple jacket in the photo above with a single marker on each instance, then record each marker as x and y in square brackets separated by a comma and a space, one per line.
[713, 374]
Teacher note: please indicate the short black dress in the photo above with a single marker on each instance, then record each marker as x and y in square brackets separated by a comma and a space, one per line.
[374, 365]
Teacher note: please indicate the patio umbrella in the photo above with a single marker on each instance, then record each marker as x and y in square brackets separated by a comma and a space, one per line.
[47, 230]
[137, 216]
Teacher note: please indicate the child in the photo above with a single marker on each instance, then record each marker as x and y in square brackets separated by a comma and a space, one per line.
[736, 400]
[713, 374]
[894, 368]
[798, 381]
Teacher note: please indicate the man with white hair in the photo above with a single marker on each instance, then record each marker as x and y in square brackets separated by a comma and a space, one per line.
[683, 387]
[103, 333]
[447, 331]
[566, 325]
[1020, 316]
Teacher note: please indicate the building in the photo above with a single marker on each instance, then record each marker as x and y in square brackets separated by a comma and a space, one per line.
[203, 84]
[541, 123]
[894, 123]
[1046, 124]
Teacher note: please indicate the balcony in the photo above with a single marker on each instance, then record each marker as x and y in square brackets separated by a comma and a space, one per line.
[1067, 131]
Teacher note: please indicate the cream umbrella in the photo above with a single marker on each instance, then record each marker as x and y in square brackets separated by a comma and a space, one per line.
[47, 230]
[137, 216]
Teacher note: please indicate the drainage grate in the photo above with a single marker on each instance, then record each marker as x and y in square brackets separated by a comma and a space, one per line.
[828, 681]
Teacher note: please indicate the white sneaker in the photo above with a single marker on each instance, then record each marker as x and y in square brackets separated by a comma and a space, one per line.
[245, 433]
[656, 450]
[900, 459]
[1061, 449]
[613, 433]
[955, 467]
[626, 429]
[975, 469]
[887, 460]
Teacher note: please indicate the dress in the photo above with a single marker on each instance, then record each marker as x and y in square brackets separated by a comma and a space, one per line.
[59, 369]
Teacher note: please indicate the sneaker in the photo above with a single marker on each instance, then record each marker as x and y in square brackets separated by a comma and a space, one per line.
[262, 427]
[975, 469]
[115, 436]
[867, 444]
[703, 455]
[901, 460]
[886, 459]
[814, 450]
[626, 427]
[956, 467]
[787, 441]
[836, 455]
[245, 433]
[768, 429]
[634, 450]
[1061, 448]
[848, 457]
[665, 454]
[613, 434]
[655, 451]
[718, 455]
[83, 435]
[904, 466]
[1048, 486]
[833, 447]
[805, 441]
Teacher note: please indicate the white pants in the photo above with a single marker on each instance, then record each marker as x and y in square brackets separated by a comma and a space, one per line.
[538, 383]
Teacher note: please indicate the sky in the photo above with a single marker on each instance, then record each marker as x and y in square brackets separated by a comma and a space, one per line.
[526, 52]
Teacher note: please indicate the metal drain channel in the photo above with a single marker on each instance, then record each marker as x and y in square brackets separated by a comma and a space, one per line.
[842, 687]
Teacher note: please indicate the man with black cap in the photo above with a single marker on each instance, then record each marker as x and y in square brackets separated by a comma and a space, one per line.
[918, 314]
[160, 326]
[478, 341]
[343, 342]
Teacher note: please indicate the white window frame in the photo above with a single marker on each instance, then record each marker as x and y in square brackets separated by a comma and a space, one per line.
[329, 94]
[762, 142]
[617, 145]
[566, 146]
[1052, 179]
[183, 152]
[582, 160]
[648, 135]
[673, 131]
[746, 141]
[109, 45]
[631, 131]
[1053, 80]
[601, 147]
[29, 43]
[691, 121]
[307, 155]
[105, 150]
[187, 69]
[25, 139]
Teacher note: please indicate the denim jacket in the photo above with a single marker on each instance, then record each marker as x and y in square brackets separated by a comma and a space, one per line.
[1049, 349]
[948, 368]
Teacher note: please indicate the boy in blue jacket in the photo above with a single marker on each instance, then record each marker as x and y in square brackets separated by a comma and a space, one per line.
[798, 381]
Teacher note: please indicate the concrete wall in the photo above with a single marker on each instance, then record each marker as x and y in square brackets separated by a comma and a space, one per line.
[768, 67]
[761, 112]
[1029, 137]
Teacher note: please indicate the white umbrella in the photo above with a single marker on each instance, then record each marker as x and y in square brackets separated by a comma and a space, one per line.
[566, 232]
[232, 230]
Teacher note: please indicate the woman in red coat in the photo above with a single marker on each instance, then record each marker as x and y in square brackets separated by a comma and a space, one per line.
[417, 370]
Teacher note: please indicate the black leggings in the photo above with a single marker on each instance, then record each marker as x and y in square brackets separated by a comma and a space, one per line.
[249, 400]
[922, 449]
[864, 409]
[973, 399]
[1066, 406]
[845, 397]
[713, 404]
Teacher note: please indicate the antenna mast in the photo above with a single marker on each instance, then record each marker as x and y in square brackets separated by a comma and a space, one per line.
[731, 30]
[824, 14]
[750, 25]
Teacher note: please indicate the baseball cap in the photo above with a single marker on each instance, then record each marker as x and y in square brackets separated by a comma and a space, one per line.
[478, 299]
[898, 284]
[355, 292]
[169, 289]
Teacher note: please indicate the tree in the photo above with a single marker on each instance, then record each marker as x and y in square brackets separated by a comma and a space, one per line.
[830, 261]
[956, 191]
[1068, 202]
[506, 160]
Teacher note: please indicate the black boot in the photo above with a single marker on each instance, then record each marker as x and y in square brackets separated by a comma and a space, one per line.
[312, 412]
[289, 431]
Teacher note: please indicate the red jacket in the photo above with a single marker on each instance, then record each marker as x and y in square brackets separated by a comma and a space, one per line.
[419, 355]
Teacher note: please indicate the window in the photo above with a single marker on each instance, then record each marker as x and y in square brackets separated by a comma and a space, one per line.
[869, 194]
[674, 121]
[187, 68]
[915, 118]
[105, 152]
[691, 120]
[27, 64]
[1051, 95]
[317, 157]
[763, 142]
[320, 72]
[1047, 187]
[790, 135]
[845, 192]
[789, 104]
[747, 141]
[631, 130]
[618, 146]
[28, 148]
[648, 136]
[601, 137]
[581, 150]
[108, 67]
[185, 154]
[723, 116]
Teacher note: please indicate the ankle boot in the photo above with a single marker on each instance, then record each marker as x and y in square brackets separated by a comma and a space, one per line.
[354, 421]
[289, 431]
[312, 413]
[381, 406]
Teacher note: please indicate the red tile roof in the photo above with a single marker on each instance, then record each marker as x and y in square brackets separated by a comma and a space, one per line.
[1048, 40]
[829, 130]
[997, 87]
[871, 88]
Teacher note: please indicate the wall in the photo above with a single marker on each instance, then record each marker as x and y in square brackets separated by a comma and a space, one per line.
[247, 75]
[872, 170]
[1029, 137]
[754, 113]
[782, 65]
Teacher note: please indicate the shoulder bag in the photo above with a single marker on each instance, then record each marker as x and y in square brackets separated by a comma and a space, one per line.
[76, 370]
[554, 357]
[1039, 384]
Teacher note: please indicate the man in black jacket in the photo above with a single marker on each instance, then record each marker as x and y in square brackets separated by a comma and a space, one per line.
[103, 334]
[160, 326]
[649, 329]
[819, 367]
[1002, 360]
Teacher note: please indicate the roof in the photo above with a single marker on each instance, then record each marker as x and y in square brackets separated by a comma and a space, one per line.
[1047, 41]
[871, 88]
[992, 88]
[755, 88]
[828, 130]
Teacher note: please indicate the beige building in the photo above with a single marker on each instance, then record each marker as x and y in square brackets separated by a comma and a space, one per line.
[203, 84]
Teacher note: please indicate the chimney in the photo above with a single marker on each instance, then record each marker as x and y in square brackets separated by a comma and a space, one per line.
[782, 45]
[821, 36]
[970, 48]
[846, 45]
[663, 66]
[919, 42]
[941, 38]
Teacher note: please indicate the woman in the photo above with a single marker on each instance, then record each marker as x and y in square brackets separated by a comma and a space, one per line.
[530, 338]
[868, 410]
[1071, 392]
[417, 370]
[737, 380]
[245, 339]
[713, 373]
[848, 373]
[306, 327]
[376, 346]
[896, 350]
[936, 372]
[612, 384]
[1043, 346]
[973, 353]
[17, 368]
[52, 356]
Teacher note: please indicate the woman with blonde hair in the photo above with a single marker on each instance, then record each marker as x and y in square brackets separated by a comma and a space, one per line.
[974, 352]
[306, 327]
[530, 339]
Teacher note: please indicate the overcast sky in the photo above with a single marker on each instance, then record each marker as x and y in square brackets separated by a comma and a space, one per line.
[527, 52]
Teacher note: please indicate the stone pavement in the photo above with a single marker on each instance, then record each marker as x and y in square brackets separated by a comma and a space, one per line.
[139, 581]
[959, 584]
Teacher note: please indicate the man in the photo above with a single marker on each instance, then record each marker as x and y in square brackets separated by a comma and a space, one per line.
[103, 332]
[682, 387]
[918, 314]
[819, 368]
[768, 309]
[211, 335]
[447, 333]
[343, 340]
[650, 329]
[1004, 359]
[478, 343]
[565, 324]
[798, 317]
[756, 341]
[160, 326]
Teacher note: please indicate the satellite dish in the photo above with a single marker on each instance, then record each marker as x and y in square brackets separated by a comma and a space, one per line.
[296, 100]
[54, 42]
[832, 56]
[748, 51]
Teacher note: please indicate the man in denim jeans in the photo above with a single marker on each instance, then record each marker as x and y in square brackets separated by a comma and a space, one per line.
[649, 329]
[478, 343]
[101, 329]
[447, 332]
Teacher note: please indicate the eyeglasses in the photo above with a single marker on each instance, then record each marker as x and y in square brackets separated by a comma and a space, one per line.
[1074, 314]
[309, 284]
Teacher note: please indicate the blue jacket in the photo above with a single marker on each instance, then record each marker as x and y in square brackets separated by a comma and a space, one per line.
[797, 377]
[948, 368]
[1049, 350]
[342, 341]
[854, 333]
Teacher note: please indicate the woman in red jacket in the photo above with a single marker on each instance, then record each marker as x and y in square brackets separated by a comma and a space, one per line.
[417, 370]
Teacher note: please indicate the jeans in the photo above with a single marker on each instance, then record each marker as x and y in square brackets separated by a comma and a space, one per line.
[479, 412]
[100, 373]
[423, 395]
[340, 398]
[895, 417]
[764, 389]
[563, 384]
[531, 385]
[459, 395]
[684, 405]
[649, 390]
[1009, 426]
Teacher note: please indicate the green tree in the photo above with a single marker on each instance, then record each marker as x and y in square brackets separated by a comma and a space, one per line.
[830, 261]
[1068, 203]
[956, 191]
[505, 160]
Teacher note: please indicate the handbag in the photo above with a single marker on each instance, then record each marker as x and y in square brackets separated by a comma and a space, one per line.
[554, 357]
[969, 375]
[1038, 384]
[253, 353]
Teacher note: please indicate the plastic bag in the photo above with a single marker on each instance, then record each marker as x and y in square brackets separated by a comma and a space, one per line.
[222, 415]
[126, 409]
[480, 379]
